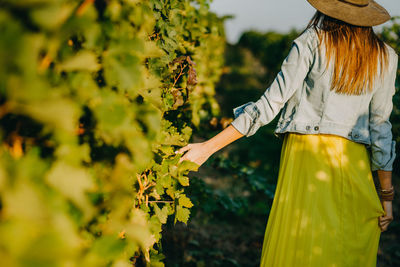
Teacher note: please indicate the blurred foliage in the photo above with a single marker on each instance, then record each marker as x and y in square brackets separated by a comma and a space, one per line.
[95, 97]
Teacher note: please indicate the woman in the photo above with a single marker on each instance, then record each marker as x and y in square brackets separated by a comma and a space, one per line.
[335, 91]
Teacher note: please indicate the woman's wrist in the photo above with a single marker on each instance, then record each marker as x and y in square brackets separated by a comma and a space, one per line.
[387, 194]
[222, 139]
[385, 179]
[210, 146]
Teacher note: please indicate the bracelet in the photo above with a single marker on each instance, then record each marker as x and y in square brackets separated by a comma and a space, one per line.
[387, 190]
[387, 194]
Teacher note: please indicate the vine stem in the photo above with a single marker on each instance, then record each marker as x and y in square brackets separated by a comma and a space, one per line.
[180, 74]
[82, 8]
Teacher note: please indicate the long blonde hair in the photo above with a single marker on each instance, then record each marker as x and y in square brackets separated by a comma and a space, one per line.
[355, 50]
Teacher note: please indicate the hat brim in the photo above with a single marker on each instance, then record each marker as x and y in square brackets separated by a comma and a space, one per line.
[371, 15]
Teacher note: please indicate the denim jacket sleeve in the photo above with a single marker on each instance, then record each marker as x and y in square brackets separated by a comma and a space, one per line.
[381, 106]
[251, 116]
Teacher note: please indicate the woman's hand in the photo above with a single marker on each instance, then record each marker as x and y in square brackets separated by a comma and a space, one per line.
[197, 153]
[200, 152]
[385, 220]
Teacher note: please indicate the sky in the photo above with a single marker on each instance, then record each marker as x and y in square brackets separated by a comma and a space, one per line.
[277, 15]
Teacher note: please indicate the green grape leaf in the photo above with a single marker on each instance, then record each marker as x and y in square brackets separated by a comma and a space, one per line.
[162, 214]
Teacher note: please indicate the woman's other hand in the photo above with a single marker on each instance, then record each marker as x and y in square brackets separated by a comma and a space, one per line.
[385, 220]
[197, 153]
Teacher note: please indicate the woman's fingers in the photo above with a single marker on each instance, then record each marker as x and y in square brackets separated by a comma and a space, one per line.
[182, 158]
[195, 153]
[384, 222]
[386, 217]
[384, 226]
[183, 149]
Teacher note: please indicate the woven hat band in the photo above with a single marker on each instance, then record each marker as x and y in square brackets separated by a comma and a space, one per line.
[359, 3]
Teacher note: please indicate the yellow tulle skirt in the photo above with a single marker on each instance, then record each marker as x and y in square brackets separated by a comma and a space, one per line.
[326, 208]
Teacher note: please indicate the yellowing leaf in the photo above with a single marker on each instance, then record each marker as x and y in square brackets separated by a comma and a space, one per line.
[122, 69]
[61, 114]
[24, 201]
[53, 16]
[3, 178]
[72, 182]
[84, 60]
[108, 246]
[183, 180]
[138, 229]
[152, 50]
[182, 214]
[185, 201]
[187, 165]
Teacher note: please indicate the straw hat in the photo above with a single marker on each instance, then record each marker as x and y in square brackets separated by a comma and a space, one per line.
[356, 12]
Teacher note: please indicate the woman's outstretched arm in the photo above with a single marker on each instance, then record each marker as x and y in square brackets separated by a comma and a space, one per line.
[200, 152]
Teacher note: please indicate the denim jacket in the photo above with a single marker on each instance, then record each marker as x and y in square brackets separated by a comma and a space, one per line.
[302, 91]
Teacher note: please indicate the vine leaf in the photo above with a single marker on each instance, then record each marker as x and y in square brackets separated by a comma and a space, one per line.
[184, 201]
[83, 60]
[162, 214]
[182, 214]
